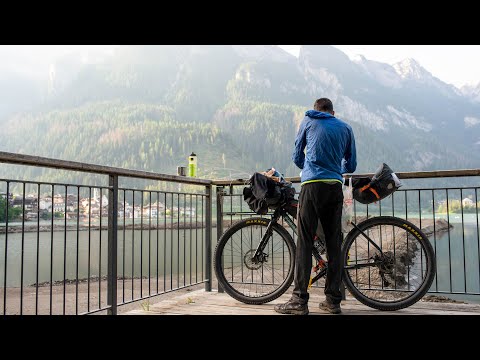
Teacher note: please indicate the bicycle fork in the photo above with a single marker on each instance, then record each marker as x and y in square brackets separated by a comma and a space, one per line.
[259, 255]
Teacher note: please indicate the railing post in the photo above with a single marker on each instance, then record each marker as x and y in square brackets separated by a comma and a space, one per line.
[208, 239]
[112, 244]
[220, 194]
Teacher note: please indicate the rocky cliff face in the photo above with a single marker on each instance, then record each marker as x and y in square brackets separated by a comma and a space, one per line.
[255, 97]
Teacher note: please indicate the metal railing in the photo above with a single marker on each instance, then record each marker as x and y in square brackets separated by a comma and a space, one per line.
[82, 249]
[448, 214]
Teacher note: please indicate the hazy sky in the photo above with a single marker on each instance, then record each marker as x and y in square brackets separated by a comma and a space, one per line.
[453, 64]
[33, 59]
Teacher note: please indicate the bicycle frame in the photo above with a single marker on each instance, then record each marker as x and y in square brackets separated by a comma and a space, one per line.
[280, 212]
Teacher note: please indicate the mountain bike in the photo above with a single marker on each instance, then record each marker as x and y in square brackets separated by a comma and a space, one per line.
[389, 263]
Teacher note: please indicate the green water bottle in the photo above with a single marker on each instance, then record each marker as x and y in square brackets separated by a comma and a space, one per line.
[192, 165]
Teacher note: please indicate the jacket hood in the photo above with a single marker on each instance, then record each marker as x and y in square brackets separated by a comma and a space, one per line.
[314, 114]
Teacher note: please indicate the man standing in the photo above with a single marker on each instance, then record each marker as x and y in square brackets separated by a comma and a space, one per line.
[330, 153]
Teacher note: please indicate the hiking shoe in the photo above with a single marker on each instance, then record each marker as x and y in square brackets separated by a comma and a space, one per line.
[329, 307]
[292, 307]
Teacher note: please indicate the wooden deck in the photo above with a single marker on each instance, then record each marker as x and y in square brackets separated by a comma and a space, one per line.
[200, 302]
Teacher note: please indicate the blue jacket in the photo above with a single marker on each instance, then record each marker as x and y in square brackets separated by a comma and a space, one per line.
[330, 147]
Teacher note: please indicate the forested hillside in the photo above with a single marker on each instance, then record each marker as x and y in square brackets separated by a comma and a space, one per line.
[134, 136]
[238, 108]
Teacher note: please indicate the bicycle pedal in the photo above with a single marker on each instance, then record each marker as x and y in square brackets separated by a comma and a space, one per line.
[310, 283]
[321, 264]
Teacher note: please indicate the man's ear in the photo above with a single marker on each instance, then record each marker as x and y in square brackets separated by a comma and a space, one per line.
[333, 113]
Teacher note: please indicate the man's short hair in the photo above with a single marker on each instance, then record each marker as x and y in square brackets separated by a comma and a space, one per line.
[323, 105]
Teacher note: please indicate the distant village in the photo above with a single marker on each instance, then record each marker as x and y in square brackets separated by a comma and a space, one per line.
[71, 207]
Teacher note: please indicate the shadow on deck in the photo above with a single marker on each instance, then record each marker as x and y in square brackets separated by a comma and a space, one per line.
[200, 302]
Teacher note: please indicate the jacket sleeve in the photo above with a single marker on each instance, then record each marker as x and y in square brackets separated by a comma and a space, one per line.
[298, 156]
[350, 163]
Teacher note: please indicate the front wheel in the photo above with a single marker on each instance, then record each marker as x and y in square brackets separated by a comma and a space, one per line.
[249, 280]
[395, 277]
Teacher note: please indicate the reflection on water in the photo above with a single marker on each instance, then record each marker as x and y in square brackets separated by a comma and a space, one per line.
[457, 255]
[138, 252]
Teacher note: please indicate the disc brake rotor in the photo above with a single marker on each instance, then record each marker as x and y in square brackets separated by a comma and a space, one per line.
[249, 261]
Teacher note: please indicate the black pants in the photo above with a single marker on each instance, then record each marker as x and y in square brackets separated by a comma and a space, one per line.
[319, 201]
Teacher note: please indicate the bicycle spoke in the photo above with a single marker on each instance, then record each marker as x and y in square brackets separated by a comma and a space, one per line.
[393, 277]
[262, 278]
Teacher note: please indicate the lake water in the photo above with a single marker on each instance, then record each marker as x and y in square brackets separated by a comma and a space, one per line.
[457, 255]
[185, 245]
[457, 251]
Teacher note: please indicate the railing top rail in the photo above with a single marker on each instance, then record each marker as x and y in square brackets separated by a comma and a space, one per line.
[21, 159]
[401, 175]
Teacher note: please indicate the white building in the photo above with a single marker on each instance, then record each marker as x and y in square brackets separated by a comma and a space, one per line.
[46, 204]
[467, 202]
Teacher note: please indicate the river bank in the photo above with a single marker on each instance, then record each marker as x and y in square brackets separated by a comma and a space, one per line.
[82, 227]
[91, 295]
[426, 225]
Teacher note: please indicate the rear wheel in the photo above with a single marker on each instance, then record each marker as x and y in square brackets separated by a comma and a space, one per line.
[397, 279]
[252, 281]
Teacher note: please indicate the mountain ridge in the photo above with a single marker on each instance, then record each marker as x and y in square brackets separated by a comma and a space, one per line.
[242, 105]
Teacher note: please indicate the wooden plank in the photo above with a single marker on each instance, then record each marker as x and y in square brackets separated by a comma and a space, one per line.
[200, 302]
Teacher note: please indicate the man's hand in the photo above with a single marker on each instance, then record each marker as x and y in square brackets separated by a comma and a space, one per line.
[270, 175]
